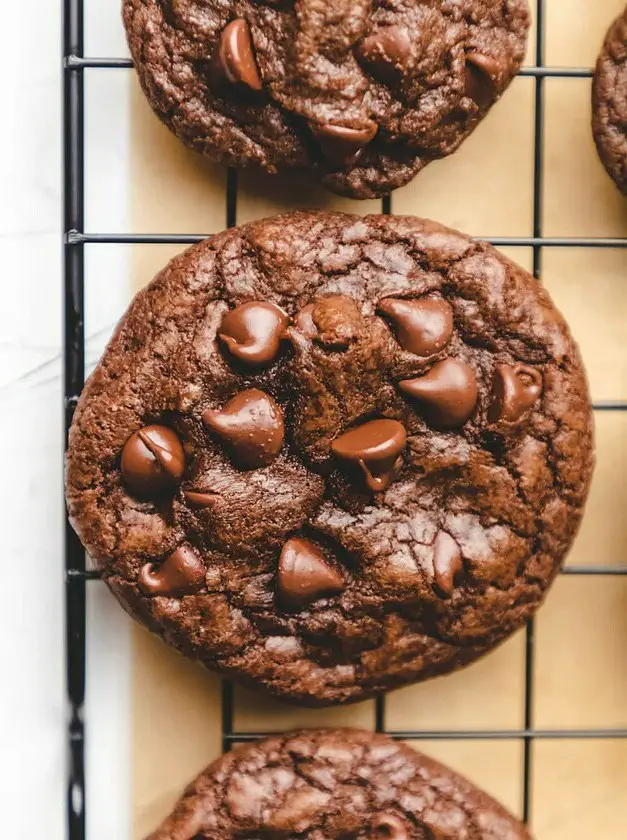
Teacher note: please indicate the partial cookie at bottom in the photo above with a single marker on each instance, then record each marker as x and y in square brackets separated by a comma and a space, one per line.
[334, 785]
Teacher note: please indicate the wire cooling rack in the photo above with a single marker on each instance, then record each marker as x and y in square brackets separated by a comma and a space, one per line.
[76, 239]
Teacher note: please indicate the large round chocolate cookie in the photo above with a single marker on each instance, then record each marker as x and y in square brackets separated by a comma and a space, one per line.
[335, 785]
[609, 102]
[364, 94]
[333, 454]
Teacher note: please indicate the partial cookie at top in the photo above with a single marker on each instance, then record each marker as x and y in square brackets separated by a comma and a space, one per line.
[364, 95]
[609, 102]
[332, 455]
[334, 785]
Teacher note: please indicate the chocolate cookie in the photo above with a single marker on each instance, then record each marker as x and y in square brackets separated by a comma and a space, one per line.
[362, 94]
[609, 102]
[333, 454]
[329, 784]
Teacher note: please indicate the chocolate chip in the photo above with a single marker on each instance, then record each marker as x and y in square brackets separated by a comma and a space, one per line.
[236, 57]
[447, 393]
[181, 573]
[385, 52]
[447, 563]
[199, 499]
[388, 827]
[304, 322]
[252, 424]
[482, 72]
[423, 326]
[252, 332]
[305, 575]
[375, 446]
[334, 322]
[153, 461]
[514, 391]
[340, 144]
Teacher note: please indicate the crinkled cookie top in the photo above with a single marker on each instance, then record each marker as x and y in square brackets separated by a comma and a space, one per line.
[609, 102]
[363, 93]
[334, 785]
[333, 454]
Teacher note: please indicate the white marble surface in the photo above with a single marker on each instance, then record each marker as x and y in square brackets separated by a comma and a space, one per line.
[32, 688]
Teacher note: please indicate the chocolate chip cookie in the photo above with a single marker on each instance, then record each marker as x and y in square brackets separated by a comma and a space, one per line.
[330, 784]
[362, 94]
[609, 102]
[332, 454]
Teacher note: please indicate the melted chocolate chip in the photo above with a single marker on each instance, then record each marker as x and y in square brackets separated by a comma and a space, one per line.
[385, 52]
[181, 573]
[375, 446]
[447, 563]
[447, 393]
[482, 72]
[153, 461]
[514, 391]
[423, 326]
[340, 144]
[198, 499]
[388, 827]
[335, 321]
[235, 57]
[305, 575]
[252, 332]
[252, 424]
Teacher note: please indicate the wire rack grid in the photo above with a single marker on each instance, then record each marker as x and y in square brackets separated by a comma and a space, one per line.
[77, 576]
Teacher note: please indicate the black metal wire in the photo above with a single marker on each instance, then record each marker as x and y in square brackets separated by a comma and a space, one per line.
[538, 162]
[587, 571]
[526, 735]
[74, 372]
[74, 237]
[78, 62]
[74, 242]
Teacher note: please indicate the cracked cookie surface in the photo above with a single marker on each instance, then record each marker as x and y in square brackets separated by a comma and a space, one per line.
[332, 784]
[364, 94]
[609, 102]
[332, 454]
